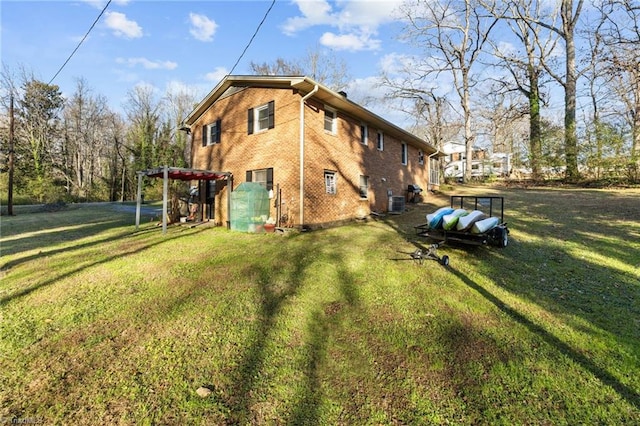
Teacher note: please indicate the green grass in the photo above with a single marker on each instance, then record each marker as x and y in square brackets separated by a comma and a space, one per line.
[100, 324]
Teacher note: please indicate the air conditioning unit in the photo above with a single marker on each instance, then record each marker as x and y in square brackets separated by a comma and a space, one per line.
[396, 204]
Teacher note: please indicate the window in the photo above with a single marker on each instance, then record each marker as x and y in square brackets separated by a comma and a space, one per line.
[262, 176]
[261, 118]
[405, 156]
[364, 186]
[211, 133]
[364, 134]
[420, 157]
[380, 141]
[330, 181]
[330, 121]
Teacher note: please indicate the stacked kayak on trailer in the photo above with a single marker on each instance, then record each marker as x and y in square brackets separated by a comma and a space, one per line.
[468, 220]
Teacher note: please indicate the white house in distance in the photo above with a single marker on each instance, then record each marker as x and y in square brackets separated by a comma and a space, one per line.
[483, 164]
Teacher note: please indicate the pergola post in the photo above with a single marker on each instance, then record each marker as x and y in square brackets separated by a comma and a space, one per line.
[165, 194]
[229, 189]
[138, 200]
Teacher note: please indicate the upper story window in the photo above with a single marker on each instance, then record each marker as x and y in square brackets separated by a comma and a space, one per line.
[420, 157]
[364, 134]
[261, 118]
[330, 181]
[405, 154]
[380, 141]
[211, 133]
[330, 120]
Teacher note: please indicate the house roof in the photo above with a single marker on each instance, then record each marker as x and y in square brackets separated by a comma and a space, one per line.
[306, 85]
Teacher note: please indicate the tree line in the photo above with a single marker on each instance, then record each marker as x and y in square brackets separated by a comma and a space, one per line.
[79, 149]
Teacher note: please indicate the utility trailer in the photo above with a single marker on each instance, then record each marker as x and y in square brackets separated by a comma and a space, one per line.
[497, 236]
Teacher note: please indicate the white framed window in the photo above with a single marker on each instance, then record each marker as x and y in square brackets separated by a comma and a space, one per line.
[420, 157]
[330, 181]
[364, 134]
[262, 176]
[330, 120]
[261, 118]
[211, 133]
[405, 154]
[380, 141]
[364, 187]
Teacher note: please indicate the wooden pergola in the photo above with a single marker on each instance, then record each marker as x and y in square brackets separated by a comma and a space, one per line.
[178, 173]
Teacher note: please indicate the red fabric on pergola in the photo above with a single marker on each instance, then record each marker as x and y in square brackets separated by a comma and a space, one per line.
[177, 173]
[165, 173]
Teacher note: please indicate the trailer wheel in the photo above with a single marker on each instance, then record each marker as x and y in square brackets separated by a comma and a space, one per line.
[444, 260]
[503, 237]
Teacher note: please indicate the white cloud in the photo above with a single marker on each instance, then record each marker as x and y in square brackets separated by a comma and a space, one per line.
[395, 63]
[148, 64]
[357, 21]
[216, 75]
[121, 26]
[352, 42]
[100, 4]
[202, 28]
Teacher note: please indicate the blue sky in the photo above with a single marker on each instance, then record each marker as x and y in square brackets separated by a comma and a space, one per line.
[189, 44]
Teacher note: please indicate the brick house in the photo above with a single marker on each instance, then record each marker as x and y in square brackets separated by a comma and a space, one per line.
[263, 128]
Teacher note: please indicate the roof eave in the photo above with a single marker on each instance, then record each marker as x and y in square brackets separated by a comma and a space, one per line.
[306, 84]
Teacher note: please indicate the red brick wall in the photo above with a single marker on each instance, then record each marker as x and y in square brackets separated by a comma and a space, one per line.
[279, 148]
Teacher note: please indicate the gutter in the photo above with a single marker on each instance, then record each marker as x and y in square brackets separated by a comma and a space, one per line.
[429, 166]
[302, 101]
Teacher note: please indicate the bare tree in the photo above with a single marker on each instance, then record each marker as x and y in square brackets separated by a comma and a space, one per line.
[179, 102]
[569, 14]
[321, 65]
[84, 151]
[619, 32]
[278, 67]
[143, 111]
[452, 35]
[526, 69]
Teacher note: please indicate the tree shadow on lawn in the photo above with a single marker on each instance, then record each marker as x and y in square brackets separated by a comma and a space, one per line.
[626, 392]
[547, 273]
[142, 246]
[544, 270]
[275, 289]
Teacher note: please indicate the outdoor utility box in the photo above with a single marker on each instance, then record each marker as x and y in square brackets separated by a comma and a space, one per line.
[249, 207]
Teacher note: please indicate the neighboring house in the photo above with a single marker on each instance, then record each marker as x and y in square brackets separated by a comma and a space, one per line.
[323, 158]
[482, 164]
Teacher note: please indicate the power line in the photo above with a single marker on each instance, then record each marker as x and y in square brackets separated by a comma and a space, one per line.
[81, 41]
[252, 37]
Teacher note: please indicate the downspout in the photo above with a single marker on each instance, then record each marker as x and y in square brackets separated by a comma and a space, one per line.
[302, 101]
[429, 166]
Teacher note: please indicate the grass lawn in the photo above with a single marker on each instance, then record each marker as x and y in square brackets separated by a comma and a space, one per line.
[100, 324]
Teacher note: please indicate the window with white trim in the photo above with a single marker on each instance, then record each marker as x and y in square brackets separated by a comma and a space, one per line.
[405, 154]
[380, 141]
[330, 181]
[330, 120]
[261, 118]
[364, 187]
[262, 176]
[420, 157]
[211, 133]
[364, 134]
